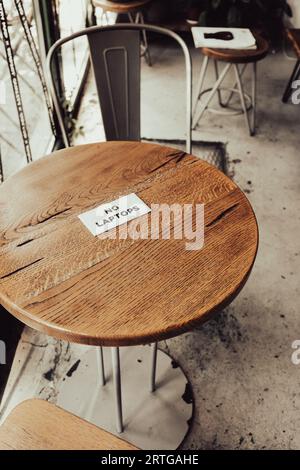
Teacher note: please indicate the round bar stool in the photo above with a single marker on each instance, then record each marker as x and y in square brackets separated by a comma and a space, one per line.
[134, 11]
[238, 60]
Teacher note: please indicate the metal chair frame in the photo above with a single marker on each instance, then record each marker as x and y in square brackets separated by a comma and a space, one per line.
[122, 27]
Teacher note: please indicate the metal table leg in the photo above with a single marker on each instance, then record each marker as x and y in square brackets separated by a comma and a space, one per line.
[157, 420]
[100, 363]
[153, 366]
[117, 386]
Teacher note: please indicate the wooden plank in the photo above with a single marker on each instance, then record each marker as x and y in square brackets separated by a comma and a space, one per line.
[39, 425]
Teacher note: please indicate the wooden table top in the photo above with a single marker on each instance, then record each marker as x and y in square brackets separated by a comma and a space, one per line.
[39, 425]
[56, 277]
[240, 56]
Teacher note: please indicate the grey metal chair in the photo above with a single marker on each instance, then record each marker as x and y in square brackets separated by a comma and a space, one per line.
[115, 56]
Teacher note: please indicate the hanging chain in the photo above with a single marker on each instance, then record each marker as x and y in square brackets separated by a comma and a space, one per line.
[14, 80]
[36, 58]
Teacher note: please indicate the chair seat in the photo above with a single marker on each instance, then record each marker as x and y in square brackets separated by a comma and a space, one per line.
[294, 37]
[39, 425]
[120, 7]
[239, 56]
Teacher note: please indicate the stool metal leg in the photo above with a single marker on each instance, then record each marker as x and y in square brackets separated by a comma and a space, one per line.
[211, 94]
[100, 362]
[242, 97]
[254, 92]
[117, 385]
[219, 91]
[139, 19]
[145, 40]
[153, 366]
[235, 86]
[294, 76]
[200, 82]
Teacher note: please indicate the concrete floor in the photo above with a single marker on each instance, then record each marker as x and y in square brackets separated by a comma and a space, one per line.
[245, 386]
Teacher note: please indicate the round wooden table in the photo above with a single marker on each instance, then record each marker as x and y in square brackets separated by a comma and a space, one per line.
[58, 278]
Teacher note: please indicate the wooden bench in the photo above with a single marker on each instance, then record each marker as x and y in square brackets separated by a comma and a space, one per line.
[39, 425]
[293, 36]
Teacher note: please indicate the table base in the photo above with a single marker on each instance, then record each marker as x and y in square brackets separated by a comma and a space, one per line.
[157, 420]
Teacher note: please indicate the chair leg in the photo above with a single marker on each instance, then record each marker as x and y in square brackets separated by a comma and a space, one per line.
[234, 87]
[104, 15]
[139, 19]
[200, 82]
[254, 93]
[294, 76]
[219, 91]
[242, 97]
[211, 94]
[118, 390]
[100, 362]
[145, 40]
[153, 366]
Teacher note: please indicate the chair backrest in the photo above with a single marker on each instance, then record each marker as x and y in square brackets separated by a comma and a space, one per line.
[115, 55]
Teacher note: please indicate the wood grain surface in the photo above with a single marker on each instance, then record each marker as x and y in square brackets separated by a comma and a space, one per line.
[39, 425]
[119, 7]
[240, 56]
[58, 278]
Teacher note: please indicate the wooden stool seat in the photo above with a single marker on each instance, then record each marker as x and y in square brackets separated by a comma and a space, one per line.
[239, 56]
[39, 425]
[120, 7]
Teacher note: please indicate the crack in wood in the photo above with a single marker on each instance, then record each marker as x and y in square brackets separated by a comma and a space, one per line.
[53, 215]
[178, 156]
[26, 242]
[222, 215]
[20, 269]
